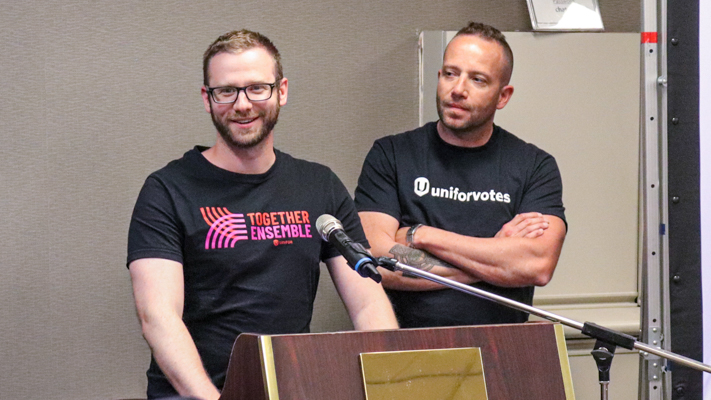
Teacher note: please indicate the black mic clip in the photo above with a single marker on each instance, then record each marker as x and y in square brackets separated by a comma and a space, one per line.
[365, 266]
[387, 263]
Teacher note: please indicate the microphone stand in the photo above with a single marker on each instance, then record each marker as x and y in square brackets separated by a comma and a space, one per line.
[606, 339]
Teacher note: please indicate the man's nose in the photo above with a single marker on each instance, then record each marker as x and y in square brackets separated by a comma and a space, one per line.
[242, 102]
[460, 88]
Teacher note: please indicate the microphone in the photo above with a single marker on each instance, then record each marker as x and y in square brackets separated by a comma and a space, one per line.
[331, 230]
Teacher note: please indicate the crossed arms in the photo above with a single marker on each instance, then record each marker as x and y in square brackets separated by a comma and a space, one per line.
[159, 295]
[523, 253]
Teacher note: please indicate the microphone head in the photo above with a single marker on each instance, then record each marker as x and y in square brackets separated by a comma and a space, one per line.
[326, 224]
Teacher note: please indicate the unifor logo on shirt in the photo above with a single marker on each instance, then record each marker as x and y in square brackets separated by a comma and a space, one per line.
[228, 228]
[423, 187]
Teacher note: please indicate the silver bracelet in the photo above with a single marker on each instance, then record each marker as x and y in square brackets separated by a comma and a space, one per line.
[410, 235]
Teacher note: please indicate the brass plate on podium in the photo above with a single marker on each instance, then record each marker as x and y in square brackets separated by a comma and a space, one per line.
[424, 374]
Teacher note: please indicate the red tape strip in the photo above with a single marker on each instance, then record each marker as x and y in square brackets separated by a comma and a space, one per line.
[649, 37]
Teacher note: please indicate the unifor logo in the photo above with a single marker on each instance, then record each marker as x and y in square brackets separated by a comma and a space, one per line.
[422, 186]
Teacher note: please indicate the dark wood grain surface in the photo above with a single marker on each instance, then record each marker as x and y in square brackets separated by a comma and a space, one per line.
[520, 361]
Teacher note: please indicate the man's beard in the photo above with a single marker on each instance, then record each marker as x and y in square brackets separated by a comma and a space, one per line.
[474, 122]
[252, 137]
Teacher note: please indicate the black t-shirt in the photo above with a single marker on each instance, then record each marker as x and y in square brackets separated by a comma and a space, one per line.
[416, 177]
[248, 244]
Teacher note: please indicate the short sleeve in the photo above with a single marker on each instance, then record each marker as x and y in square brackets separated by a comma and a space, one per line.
[544, 190]
[154, 231]
[344, 211]
[377, 185]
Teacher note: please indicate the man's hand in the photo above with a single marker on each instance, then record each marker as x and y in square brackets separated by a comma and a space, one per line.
[528, 225]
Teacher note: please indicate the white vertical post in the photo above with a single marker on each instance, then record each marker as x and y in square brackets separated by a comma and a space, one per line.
[655, 381]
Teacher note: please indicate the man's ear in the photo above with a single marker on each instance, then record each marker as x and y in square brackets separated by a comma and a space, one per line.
[205, 99]
[504, 96]
[283, 91]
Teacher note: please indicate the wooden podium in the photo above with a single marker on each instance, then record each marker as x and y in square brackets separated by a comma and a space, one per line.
[521, 361]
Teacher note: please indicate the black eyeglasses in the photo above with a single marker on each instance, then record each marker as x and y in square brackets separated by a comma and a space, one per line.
[229, 94]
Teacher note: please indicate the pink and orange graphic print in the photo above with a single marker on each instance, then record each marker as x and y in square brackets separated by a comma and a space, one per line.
[227, 228]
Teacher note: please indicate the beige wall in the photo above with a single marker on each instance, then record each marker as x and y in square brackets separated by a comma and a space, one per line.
[98, 94]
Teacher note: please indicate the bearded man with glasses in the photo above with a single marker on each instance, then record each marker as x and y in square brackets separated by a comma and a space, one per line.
[222, 241]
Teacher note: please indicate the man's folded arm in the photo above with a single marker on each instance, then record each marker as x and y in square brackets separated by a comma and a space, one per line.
[509, 261]
[159, 295]
[524, 252]
[382, 232]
